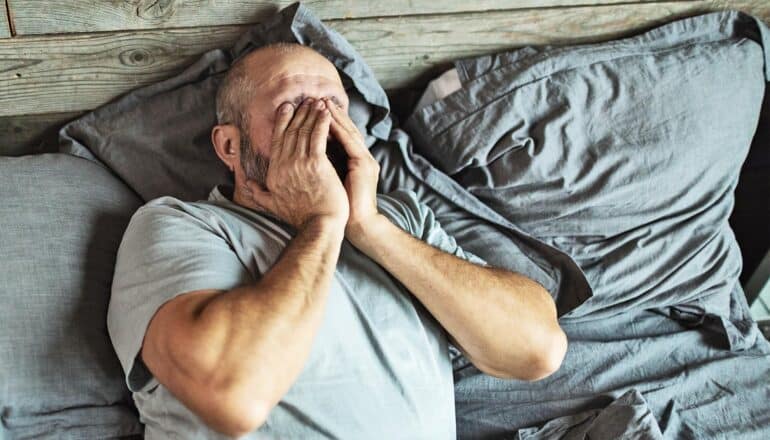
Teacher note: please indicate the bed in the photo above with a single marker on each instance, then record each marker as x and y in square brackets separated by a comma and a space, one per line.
[599, 148]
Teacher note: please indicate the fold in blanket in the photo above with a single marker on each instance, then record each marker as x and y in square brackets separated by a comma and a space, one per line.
[625, 155]
[603, 171]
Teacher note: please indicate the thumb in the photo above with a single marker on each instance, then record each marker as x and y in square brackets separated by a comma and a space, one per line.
[261, 197]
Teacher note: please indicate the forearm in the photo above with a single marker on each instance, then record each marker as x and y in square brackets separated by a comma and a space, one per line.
[259, 336]
[504, 322]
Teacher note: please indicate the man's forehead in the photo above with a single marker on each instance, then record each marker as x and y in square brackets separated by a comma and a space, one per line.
[295, 87]
[289, 80]
[284, 69]
[282, 77]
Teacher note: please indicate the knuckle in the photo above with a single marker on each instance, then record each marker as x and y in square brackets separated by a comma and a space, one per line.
[314, 166]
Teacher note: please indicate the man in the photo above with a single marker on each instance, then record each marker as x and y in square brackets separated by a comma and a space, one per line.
[296, 305]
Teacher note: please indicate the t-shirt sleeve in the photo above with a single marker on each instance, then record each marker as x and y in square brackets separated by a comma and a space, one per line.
[404, 209]
[166, 250]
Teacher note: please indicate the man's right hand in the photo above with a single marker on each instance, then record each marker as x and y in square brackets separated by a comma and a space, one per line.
[301, 182]
[231, 355]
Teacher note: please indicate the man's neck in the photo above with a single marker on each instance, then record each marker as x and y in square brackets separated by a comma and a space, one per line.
[244, 200]
[240, 199]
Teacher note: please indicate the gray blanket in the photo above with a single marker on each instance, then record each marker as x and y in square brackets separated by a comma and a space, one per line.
[606, 172]
[623, 155]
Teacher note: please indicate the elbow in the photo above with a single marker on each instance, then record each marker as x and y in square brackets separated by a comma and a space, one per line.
[230, 410]
[227, 404]
[237, 415]
[548, 358]
[544, 359]
[241, 429]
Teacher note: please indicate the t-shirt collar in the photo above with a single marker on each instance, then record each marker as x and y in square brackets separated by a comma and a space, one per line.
[222, 193]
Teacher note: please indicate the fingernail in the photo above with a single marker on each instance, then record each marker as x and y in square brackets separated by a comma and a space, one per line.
[319, 105]
[308, 101]
[286, 107]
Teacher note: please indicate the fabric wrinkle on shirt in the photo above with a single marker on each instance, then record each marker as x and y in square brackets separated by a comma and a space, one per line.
[380, 364]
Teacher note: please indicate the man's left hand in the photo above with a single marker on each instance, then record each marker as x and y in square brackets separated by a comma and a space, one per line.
[504, 322]
[363, 173]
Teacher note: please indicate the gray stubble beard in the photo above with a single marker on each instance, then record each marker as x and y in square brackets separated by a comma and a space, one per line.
[254, 163]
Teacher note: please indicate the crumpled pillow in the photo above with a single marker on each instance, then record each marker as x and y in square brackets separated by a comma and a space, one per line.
[157, 138]
[62, 220]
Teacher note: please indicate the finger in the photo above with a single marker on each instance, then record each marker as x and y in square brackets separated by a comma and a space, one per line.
[320, 134]
[303, 137]
[283, 117]
[260, 196]
[354, 147]
[290, 138]
[342, 117]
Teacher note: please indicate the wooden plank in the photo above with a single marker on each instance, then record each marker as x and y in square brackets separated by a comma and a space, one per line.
[82, 71]
[91, 16]
[64, 75]
[404, 51]
[32, 134]
[5, 27]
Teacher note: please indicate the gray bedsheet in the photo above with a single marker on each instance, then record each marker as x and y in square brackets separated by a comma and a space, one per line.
[603, 171]
[624, 155]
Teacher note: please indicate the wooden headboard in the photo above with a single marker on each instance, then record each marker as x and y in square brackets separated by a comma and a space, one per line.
[59, 59]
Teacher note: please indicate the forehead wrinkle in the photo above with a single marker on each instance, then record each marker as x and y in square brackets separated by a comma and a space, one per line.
[270, 66]
[315, 86]
[287, 70]
[295, 78]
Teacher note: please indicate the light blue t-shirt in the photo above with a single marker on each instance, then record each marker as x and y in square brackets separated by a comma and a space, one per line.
[379, 366]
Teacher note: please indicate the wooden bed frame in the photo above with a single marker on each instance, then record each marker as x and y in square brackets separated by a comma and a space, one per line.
[59, 59]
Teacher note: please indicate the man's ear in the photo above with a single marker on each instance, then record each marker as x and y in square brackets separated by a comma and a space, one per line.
[226, 139]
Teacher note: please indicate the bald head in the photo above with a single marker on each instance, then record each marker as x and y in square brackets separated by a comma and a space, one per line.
[250, 94]
[287, 71]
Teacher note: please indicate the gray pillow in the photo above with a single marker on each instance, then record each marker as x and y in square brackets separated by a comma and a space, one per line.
[157, 138]
[62, 219]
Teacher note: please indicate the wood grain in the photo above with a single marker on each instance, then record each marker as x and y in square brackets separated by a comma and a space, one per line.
[5, 27]
[61, 76]
[405, 51]
[81, 71]
[32, 134]
[91, 16]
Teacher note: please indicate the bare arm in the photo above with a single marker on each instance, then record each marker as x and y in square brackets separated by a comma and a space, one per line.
[504, 322]
[231, 356]
[248, 344]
